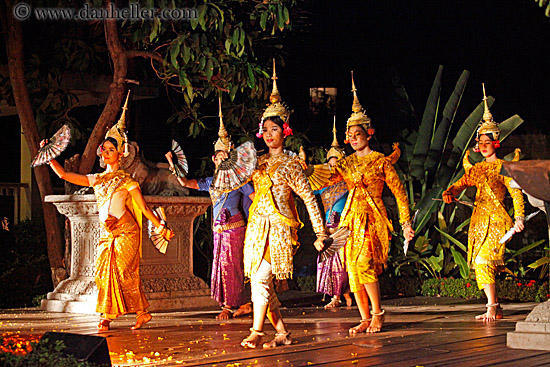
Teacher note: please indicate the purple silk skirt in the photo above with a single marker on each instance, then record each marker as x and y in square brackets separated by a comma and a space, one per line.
[227, 286]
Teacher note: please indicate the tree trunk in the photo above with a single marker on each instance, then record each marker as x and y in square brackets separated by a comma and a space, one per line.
[116, 95]
[13, 36]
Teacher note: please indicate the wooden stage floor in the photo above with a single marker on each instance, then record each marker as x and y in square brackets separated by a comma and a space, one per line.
[419, 331]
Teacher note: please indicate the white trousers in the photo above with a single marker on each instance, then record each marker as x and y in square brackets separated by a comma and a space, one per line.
[262, 288]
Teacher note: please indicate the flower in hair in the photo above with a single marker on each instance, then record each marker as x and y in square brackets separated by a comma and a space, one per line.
[286, 129]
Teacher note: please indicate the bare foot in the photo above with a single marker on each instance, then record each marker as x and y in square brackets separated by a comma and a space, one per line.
[243, 310]
[253, 340]
[376, 323]
[361, 328]
[225, 314]
[335, 302]
[142, 319]
[103, 325]
[493, 313]
[279, 340]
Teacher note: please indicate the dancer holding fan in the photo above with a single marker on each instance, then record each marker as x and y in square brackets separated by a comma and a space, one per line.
[229, 217]
[120, 205]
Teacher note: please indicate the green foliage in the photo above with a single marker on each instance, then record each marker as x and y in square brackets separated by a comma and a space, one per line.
[42, 355]
[226, 49]
[25, 269]
[544, 5]
[399, 286]
[508, 289]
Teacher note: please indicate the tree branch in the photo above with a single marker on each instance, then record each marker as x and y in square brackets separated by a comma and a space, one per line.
[116, 95]
[147, 55]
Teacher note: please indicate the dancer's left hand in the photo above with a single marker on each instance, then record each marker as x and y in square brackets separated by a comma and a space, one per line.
[408, 233]
[519, 225]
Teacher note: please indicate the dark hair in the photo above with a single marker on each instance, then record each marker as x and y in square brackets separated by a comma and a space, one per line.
[275, 119]
[489, 135]
[111, 140]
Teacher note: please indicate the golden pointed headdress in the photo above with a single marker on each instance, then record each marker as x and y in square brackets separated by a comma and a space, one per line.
[358, 115]
[487, 124]
[224, 140]
[335, 150]
[277, 107]
[118, 131]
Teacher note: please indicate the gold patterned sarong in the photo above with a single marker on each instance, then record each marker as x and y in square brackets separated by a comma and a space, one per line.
[117, 267]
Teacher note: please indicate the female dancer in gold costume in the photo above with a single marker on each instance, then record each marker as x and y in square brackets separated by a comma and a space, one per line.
[364, 214]
[120, 205]
[490, 220]
[271, 234]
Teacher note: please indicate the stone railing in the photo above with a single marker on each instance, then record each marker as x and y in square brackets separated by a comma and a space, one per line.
[167, 279]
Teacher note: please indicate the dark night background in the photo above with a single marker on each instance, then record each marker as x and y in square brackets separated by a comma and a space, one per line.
[501, 43]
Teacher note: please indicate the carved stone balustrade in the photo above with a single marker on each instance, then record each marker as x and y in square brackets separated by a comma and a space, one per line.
[167, 279]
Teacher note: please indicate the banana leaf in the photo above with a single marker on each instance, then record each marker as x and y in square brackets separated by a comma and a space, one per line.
[542, 261]
[441, 135]
[426, 207]
[461, 262]
[526, 248]
[427, 128]
[452, 239]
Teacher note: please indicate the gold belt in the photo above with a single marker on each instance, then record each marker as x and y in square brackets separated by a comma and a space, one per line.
[228, 226]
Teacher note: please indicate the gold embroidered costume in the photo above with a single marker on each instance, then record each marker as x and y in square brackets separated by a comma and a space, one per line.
[364, 213]
[273, 221]
[490, 220]
[118, 252]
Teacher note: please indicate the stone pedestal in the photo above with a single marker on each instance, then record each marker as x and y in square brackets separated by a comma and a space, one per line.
[167, 279]
[534, 332]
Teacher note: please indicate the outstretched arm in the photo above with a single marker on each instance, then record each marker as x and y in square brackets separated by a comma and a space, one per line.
[74, 178]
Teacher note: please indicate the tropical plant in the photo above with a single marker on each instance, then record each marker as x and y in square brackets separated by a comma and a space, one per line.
[431, 160]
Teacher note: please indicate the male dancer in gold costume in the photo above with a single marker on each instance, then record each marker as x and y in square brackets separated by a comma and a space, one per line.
[490, 220]
[364, 214]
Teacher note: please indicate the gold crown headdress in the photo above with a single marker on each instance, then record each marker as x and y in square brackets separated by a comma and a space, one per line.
[118, 131]
[277, 107]
[358, 116]
[224, 140]
[487, 125]
[335, 150]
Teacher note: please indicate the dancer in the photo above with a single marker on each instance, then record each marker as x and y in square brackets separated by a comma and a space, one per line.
[120, 205]
[490, 220]
[332, 278]
[366, 250]
[229, 218]
[271, 235]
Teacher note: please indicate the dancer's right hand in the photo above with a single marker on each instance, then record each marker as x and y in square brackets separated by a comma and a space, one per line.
[447, 197]
[43, 142]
